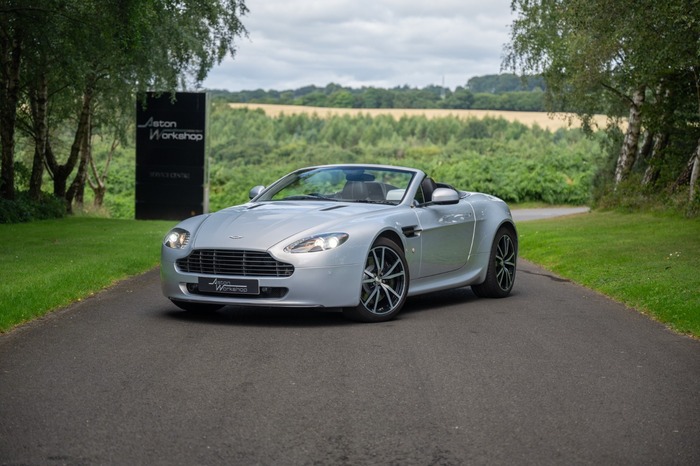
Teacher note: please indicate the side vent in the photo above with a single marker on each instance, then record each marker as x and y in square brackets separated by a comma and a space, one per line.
[411, 231]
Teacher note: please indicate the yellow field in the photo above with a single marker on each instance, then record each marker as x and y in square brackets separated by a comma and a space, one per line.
[543, 120]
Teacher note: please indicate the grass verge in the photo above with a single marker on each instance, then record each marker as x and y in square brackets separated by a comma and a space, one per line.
[646, 261]
[52, 263]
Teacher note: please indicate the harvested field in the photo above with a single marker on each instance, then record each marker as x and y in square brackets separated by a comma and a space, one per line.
[543, 120]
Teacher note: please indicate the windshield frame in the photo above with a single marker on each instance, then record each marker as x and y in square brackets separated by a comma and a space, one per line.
[343, 183]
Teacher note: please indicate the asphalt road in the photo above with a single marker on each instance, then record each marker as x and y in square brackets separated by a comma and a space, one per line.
[520, 215]
[554, 374]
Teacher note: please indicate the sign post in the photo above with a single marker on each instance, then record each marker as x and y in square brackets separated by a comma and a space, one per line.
[171, 164]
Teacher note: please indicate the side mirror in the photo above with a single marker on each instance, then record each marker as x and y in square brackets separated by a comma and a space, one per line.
[444, 196]
[255, 191]
[395, 195]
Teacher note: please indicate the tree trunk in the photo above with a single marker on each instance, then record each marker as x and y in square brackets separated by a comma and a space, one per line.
[651, 174]
[696, 162]
[661, 136]
[99, 186]
[645, 148]
[61, 173]
[685, 175]
[99, 192]
[77, 188]
[11, 57]
[694, 173]
[629, 146]
[39, 107]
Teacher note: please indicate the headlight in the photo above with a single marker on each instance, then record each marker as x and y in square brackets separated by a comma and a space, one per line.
[318, 243]
[177, 238]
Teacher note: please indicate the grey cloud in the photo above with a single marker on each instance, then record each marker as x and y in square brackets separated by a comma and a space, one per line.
[383, 43]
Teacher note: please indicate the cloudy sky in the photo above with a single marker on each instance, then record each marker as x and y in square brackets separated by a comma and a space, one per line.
[382, 43]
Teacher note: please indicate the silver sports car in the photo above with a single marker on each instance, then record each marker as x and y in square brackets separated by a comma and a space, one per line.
[360, 238]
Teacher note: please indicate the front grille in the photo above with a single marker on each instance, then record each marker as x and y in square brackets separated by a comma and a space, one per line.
[234, 262]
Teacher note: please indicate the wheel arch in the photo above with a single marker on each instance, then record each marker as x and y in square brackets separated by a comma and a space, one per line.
[485, 240]
[392, 236]
[510, 226]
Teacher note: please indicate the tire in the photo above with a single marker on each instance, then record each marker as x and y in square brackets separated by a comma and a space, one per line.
[384, 284]
[500, 275]
[196, 307]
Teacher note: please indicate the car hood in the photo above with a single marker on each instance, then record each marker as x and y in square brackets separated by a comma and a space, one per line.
[261, 226]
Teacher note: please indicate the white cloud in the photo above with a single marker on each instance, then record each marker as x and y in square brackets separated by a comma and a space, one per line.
[383, 43]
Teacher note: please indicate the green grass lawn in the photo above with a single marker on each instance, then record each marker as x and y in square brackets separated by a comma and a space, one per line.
[646, 261]
[49, 264]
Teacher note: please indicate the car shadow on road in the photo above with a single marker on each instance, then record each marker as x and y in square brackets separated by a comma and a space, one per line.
[439, 300]
[312, 317]
[262, 317]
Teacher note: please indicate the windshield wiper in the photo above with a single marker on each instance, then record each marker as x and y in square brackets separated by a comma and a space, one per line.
[306, 197]
[369, 201]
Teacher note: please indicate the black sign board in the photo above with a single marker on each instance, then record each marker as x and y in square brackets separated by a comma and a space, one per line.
[171, 168]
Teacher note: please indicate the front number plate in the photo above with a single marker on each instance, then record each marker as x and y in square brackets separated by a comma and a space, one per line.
[228, 285]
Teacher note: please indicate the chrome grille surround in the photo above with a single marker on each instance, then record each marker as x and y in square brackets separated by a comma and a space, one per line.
[233, 262]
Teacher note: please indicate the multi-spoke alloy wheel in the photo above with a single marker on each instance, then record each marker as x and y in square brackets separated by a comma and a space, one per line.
[500, 275]
[384, 283]
[505, 263]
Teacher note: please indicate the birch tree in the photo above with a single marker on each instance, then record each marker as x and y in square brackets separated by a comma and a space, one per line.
[617, 57]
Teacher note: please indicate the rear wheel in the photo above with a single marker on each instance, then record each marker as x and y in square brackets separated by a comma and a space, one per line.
[384, 284]
[500, 275]
[196, 307]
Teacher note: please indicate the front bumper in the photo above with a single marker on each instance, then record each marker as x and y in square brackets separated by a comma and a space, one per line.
[321, 286]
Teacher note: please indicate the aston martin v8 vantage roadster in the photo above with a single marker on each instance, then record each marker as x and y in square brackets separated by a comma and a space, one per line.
[358, 238]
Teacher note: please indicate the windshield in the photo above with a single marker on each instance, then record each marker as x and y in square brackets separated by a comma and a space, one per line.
[352, 184]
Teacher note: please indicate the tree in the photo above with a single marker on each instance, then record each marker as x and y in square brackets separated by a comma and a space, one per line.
[505, 82]
[341, 99]
[632, 57]
[97, 181]
[10, 59]
[15, 25]
[70, 52]
[461, 98]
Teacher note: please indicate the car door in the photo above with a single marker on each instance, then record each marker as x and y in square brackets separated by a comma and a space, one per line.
[447, 233]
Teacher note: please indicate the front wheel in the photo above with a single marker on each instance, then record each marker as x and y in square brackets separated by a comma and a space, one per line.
[384, 284]
[500, 275]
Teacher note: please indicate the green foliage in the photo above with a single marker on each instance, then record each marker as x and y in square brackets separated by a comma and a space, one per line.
[639, 58]
[492, 155]
[627, 197]
[69, 62]
[504, 83]
[513, 101]
[24, 209]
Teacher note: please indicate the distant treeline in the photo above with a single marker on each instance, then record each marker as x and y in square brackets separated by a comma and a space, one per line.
[492, 92]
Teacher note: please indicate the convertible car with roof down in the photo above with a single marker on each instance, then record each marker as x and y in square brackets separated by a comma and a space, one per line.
[357, 238]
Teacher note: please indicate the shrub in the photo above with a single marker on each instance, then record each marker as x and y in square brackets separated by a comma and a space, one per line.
[25, 209]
